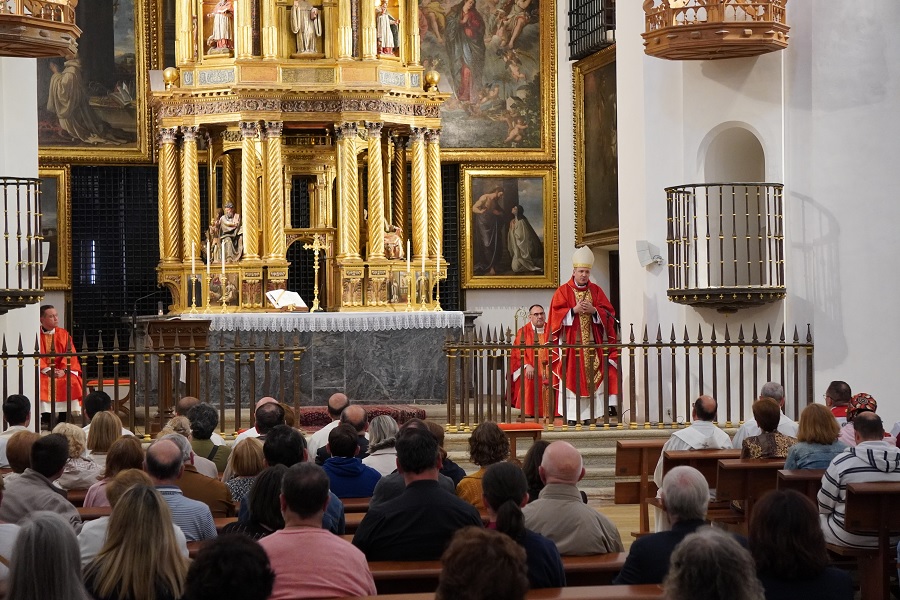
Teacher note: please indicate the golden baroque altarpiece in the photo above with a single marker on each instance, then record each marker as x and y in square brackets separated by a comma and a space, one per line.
[334, 91]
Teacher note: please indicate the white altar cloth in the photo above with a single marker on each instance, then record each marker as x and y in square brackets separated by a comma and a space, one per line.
[331, 321]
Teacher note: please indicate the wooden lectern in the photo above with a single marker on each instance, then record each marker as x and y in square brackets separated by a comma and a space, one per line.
[170, 338]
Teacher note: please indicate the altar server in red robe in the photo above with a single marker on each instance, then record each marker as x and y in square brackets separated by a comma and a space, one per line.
[536, 381]
[580, 313]
[64, 370]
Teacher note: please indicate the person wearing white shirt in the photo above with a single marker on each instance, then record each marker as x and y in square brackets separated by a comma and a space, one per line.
[336, 405]
[786, 426]
[17, 414]
[253, 431]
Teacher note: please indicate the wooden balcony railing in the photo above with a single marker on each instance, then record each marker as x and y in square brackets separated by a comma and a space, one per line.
[38, 28]
[712, 29]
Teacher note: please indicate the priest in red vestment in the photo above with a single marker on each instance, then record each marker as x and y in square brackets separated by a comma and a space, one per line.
[522, 362]
[580, 313]
[65, 371]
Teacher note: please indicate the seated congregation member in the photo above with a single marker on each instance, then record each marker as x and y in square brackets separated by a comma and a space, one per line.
[505, 494]
[531, 465]
[96, 403]
[34, 490]
[872, 459]
[300, 550]
[185, 404]
[817, 442]
[182, 427]
[8, 534]
[859, 403]
[245, 462]
[448, 467]
[164, 463]
[837, 399]
[685, 497]
[141, 559]
[712, 565]
[559, 514]
[17, 414]
[701, 434]
[263, 515]
[94, 532]
[773, 391]
[487, 445]
[481, 564]
[125, 453]
[45, 562]
[79, 473]
[105, 429]
[270, 418]
[230, 566]
[391, 486]
[336, 404]
[197, 486]
[349, 477]
[204, 419]
[417, 524]
[382, 440]
[356, 417]
[787, 544]
[18, 453]
[770, 443]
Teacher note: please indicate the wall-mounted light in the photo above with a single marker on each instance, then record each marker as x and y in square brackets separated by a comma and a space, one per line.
[648, 253]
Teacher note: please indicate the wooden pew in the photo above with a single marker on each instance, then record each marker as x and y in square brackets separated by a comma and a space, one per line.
[745, 480]
[705, 461]
[353, 519]
[871, 509]
[194, 548]
[637, 458]
[353, 505]
[221, 522]
[76, 497]
[806, 481]
[94, 512]
[402, 577]
[593, 592]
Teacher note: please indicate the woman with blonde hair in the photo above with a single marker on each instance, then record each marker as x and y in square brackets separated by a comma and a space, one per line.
[382, 439]
[45, 563]
[106, 428]
[245, 462]
[125, 453]
[79, 473]
[817, 440]
[140, 559]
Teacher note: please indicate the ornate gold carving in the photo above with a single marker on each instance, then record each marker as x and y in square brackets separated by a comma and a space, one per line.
[419, 194]
[316, 76]
[348, 191]
[168, 196]
[249, 189]
[190, 197]
[435, 199]
[398, 182]
[183, 107]
[275, 184]
[376, 193]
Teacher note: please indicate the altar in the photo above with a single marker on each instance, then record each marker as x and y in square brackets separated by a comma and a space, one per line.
[373, 357]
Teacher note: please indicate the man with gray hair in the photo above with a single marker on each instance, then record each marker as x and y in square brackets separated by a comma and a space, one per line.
[199, 487]
[685, 496]
[786, 426]
[561, 515]
[712, 564]
[164, 463]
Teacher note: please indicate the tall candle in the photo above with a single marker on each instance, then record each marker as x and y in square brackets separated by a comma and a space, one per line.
[408, 258]
[208, 258]
[223, 260]
[193, 262]
[423, 264]
[438, 269]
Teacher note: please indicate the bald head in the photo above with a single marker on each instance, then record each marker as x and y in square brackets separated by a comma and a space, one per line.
[561, 464]
[164, 461]
[705, 408]
[265, 400]
[186, 404]
[336, 405]
[356, 416]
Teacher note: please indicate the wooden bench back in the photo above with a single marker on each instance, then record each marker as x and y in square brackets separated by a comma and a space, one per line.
[637, 459]
[603, 592]
[806, 481]
[705, 461]
[871, 508]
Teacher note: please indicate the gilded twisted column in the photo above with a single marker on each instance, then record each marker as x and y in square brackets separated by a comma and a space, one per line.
[435, 197]
[376, 192]
[419, 196]
[249, 189]
[348, 191]
[190, 193]
[228, 179]
[275, 187]
[398, 183]
[169, 225]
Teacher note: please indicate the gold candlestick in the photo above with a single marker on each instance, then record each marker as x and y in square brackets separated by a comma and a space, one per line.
[223, 282]
[437, 296]
[409, 293]
[193, 310]
[208, 285]
[424, 290]
[315, 247]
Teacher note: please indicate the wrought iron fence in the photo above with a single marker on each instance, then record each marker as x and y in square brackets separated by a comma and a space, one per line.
[660, 374]
[145, 380]
[21, 281]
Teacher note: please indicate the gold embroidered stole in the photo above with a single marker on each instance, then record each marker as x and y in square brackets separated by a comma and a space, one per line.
[592, 368]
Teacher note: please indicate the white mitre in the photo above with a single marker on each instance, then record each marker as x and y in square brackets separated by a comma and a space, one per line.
[583, 258]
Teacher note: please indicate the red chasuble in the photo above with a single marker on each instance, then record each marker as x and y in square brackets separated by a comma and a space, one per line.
[528, 336]
[582, 330]
[60, 342]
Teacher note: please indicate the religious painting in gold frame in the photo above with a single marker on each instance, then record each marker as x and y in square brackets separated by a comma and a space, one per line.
[509, 224]
[596, 153]
[94, 108]
[497, 60]
[55, 227]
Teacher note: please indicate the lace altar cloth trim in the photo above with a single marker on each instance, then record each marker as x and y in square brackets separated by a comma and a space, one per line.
[357, 321]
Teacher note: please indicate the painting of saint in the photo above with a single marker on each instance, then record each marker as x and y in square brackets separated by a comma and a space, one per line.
[601, 163]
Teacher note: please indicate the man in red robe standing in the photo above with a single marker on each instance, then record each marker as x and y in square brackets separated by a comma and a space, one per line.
[65, 371]
[580, 313]
[522, 361]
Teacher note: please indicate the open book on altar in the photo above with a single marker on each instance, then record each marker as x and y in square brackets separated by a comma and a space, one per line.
[284, 299]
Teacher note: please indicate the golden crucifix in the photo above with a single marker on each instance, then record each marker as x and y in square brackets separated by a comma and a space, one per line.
[318, 244]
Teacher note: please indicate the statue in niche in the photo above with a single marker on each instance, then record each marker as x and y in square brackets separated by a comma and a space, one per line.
[221, 40]
[387, 29]
[231, 234]
[306, 23]
[393, 244]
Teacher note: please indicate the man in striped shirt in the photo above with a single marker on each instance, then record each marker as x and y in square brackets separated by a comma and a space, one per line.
[873, 459]
[164, 464]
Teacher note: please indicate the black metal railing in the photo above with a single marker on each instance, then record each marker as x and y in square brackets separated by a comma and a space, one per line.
[21, 281]
[592, 26]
